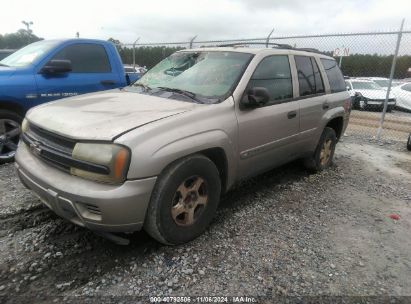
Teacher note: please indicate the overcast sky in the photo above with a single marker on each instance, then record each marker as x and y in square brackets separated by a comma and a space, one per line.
[176, 20]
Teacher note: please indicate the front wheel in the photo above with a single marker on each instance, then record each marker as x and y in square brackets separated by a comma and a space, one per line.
[324, 153]
[184, 200]
[409, 143]
[10, 130]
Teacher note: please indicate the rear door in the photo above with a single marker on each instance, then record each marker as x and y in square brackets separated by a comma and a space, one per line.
[267, 134]
[92, 70]
[313, 101]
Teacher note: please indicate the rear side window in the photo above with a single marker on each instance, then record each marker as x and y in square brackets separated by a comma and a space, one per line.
[274, 74]
[86, 58]
[334, 75]
[309, 77]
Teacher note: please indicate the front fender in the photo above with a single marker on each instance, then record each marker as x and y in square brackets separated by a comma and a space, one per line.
[156, 145]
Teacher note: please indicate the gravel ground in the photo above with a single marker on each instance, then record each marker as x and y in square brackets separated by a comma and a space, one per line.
[283, 233]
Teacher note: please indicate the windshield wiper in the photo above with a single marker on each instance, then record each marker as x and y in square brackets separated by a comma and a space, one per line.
[2, 64]
[189, 94]
[145, 87]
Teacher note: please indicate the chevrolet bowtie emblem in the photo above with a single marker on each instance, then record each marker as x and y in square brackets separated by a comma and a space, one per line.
[35, 147]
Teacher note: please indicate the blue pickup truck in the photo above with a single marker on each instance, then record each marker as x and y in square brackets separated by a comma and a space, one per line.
[48, 70]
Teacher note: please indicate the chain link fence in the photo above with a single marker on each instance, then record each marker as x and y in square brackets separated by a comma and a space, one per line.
[366, 60]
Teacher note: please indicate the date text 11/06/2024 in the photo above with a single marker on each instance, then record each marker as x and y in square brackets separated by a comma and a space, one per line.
[224, 299]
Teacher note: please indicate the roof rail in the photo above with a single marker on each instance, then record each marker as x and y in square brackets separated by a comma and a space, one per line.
[240, 44]
[274, 45]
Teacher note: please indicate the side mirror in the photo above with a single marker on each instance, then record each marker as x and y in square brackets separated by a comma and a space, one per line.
[348, 88]
[256, 97]
[57, 67]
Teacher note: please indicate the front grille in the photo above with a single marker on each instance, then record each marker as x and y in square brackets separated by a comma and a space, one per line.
[57, 150]
[59, 142]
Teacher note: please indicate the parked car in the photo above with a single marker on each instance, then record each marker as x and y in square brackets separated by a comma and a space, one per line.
[5, 52]
[134, 72]
[384, 82]
[403, 95]
[48, 70]
[368, 95]
[157, 155]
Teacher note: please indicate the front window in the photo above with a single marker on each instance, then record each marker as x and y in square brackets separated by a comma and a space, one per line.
[365, 85]
[28, 54]
[205, 75]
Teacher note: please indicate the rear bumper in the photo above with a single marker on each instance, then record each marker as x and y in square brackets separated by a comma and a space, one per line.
[100, 207]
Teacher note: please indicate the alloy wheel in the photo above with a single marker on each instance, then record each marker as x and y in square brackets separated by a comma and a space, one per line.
[189, 201]
[325, 152]
[9, 138]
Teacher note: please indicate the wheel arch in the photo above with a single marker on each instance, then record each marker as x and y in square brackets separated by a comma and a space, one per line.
[337, 124]
[13, 107]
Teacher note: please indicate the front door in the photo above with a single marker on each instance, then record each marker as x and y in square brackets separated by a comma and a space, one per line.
[268, 134]
[91, 72]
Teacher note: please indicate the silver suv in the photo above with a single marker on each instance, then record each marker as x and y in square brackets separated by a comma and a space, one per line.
[158, 155]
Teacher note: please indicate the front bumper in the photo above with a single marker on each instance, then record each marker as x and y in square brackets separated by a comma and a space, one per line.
[97, 206]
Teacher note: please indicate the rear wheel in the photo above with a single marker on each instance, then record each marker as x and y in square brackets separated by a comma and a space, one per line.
[10, 129]
[409, 143]
[324, 153]
[184, 200]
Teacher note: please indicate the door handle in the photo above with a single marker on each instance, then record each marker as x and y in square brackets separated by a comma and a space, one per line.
[107, 82]
[326, 106]
[291, 114]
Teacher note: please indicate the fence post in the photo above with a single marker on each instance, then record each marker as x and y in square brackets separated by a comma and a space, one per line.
[192, 40]
[267, 41]
[387, 96]
[134, 52]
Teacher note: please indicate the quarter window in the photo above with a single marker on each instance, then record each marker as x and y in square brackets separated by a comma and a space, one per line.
[86, 58]
[309, 76]
[334, 75]
[274, 74]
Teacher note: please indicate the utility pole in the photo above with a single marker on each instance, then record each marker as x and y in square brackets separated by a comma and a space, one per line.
[134, 52]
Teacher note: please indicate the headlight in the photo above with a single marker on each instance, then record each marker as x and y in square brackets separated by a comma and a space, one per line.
[24, 125]
[115, 158]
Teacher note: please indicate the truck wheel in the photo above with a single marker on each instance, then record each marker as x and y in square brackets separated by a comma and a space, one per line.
[184, 200]
[324, 152]
[409, 143]
[9, 135]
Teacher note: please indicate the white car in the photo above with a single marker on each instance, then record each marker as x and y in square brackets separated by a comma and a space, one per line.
[383, 82]
[368, 95]
[403, 95]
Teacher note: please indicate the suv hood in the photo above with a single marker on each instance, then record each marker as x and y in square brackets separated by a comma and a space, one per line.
[104, 116]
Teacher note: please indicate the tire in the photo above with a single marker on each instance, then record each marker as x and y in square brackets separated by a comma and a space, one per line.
[10, 128]
[167, 224]
[316, 163]
[409, 143]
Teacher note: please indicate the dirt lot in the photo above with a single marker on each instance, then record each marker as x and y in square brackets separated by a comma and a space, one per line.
[282, 233]
[397, 125]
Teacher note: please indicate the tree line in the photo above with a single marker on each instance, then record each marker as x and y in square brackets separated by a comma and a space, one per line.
[355, 65]
[17, 40]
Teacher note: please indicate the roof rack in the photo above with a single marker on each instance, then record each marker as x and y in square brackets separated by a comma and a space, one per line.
[274, 45]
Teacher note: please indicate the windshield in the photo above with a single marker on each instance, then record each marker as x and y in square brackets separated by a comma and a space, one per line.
[28, 54]
[365, 85]
[206, 74]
